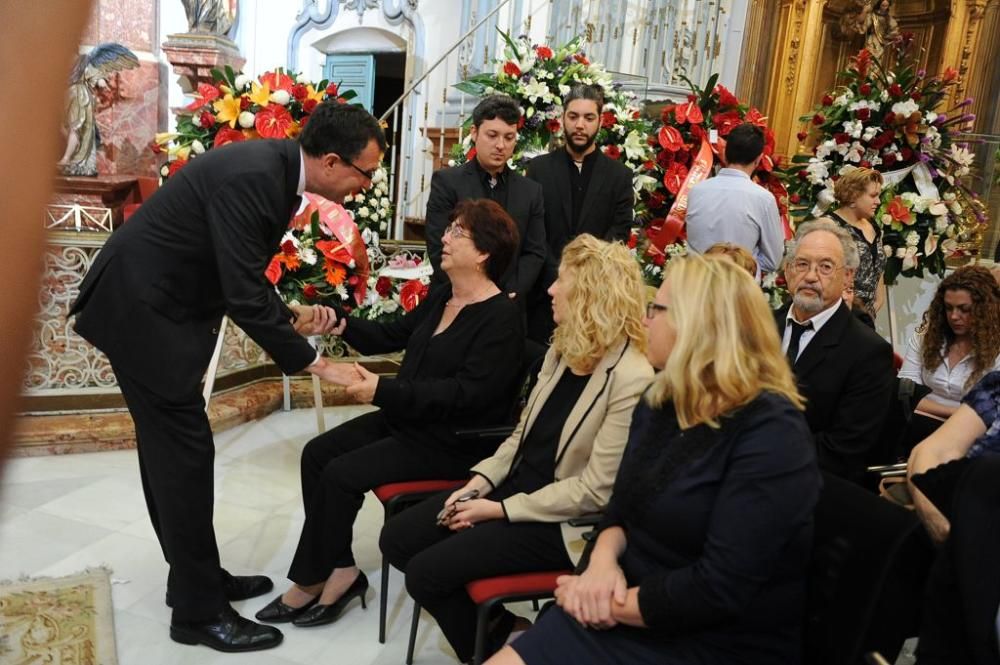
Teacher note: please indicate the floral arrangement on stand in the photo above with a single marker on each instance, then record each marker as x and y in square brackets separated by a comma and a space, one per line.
[537, 77]
[689, 143]
[892, 121]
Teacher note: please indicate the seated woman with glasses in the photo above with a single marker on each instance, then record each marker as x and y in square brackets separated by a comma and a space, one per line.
[559, 463]
[463, 352]
[703, 549]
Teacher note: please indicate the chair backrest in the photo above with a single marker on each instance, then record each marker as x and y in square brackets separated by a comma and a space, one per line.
[866, 577]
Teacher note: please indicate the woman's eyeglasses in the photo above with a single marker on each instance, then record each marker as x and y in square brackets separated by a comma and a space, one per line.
[653, 308]
[456, 232]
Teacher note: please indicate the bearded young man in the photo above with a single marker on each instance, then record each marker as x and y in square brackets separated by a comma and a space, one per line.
[585, 192]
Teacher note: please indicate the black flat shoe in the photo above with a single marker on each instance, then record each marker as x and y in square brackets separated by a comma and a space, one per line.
[227, 632]
[277, 612]
[320, 615]
[238, 587]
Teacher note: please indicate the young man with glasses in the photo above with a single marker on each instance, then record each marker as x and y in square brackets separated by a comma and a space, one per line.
[843, 368]
[487, 176]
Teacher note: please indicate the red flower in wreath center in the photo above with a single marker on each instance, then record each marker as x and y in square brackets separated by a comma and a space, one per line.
[674, 178]
[273, 121]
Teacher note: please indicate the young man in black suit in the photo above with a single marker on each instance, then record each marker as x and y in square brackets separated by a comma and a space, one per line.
[487, 176]
[585, 192]
[843, 368]
[153, 302]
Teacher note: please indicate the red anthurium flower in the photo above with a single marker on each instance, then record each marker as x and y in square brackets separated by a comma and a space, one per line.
[670, 138]
[612, 151]
[608, 120]
[412, 293]
[206, 94]
[674, 178]
[899, 212]
[726, 122]
[511, 69]
[726, 98]
[755, 117]
[383, 286]
[273, 121]
[698, 133]
[543, 52]
[175, 166]
[335, 251]
[278, 81]
[228, 135]
[273, 272]
[690, 112]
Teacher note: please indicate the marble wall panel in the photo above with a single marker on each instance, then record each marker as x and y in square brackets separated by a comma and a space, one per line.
[127, 127]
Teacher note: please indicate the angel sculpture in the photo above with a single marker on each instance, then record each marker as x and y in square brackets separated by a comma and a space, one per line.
[79, 126]
[214, 17]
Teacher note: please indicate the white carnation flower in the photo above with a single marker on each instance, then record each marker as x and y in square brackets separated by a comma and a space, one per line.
[280, 97]
[363, 211]
[246, 119]
[197, 147]
[242, 81]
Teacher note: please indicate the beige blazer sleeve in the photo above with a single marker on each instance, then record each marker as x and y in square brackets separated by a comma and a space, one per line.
[496, 467]
[586, 474]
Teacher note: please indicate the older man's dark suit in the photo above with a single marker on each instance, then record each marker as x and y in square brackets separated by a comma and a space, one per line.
[523, 202]
[606, 212]
[845, 374]
[153, 302]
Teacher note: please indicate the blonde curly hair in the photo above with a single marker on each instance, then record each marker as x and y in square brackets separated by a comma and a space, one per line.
[606, 302]
[726, 351]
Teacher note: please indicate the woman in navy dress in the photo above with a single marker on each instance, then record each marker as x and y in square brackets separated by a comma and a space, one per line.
[702, 554]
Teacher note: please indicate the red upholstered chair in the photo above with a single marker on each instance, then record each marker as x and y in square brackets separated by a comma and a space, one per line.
[394, 498]
[489, 591]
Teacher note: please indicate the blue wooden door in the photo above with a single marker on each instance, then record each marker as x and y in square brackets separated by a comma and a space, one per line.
[353, 72]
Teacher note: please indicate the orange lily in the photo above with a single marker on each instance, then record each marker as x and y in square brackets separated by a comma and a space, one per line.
[259, 94]
[227, 109]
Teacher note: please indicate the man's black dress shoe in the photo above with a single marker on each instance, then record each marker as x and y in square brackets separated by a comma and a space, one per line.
[239, 587]
[319, 615]
[226, 632]
[277, 612]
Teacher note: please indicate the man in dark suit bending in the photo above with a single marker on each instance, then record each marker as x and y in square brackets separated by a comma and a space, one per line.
[487, 176]
[585, 192]
[842, 367]
[153, 302]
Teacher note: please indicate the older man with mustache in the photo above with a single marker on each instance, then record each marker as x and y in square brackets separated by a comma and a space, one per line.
[842, 367]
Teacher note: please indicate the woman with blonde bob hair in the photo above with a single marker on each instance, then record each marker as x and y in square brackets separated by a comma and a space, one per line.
[702, 551]
[559, 463]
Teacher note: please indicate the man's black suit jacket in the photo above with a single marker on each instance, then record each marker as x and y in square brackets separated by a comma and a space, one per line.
[607, 210]
[524, 205]
[845, 374]
[196, 250]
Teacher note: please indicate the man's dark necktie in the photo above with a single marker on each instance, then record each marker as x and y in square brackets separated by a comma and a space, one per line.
[793, 343]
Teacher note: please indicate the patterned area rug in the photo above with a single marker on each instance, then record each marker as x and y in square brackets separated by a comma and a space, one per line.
[64, 620]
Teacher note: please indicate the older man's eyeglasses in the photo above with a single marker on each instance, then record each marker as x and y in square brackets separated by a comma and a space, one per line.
[457, 231]
[654, 308]
[823, 268]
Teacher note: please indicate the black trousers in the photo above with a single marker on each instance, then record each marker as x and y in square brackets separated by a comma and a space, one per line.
[338, 467]
[176, 457]
[439, 562]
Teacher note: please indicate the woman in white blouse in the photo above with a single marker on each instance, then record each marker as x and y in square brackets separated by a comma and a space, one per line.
[957, 342]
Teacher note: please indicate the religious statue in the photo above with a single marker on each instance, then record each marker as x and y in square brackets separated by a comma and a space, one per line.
[874, 20]
[214, 17]
[88, 79]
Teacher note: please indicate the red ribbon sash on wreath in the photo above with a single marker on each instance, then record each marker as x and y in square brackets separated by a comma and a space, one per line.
[672, 228]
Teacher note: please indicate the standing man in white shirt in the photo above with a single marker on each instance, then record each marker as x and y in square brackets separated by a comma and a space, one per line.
[732, 208]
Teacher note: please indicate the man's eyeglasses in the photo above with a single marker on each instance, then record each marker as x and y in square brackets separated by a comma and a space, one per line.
[370, 174]
[653, 308]
[456, 231]
[823, 268]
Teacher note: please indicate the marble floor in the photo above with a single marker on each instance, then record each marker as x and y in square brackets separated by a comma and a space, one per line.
[61, 514]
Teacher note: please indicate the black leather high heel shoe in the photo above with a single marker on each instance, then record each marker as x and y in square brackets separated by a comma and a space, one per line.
[277, 612]
[320, 615]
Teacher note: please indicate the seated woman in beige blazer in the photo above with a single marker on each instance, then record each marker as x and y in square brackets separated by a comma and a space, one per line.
[559, 463]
